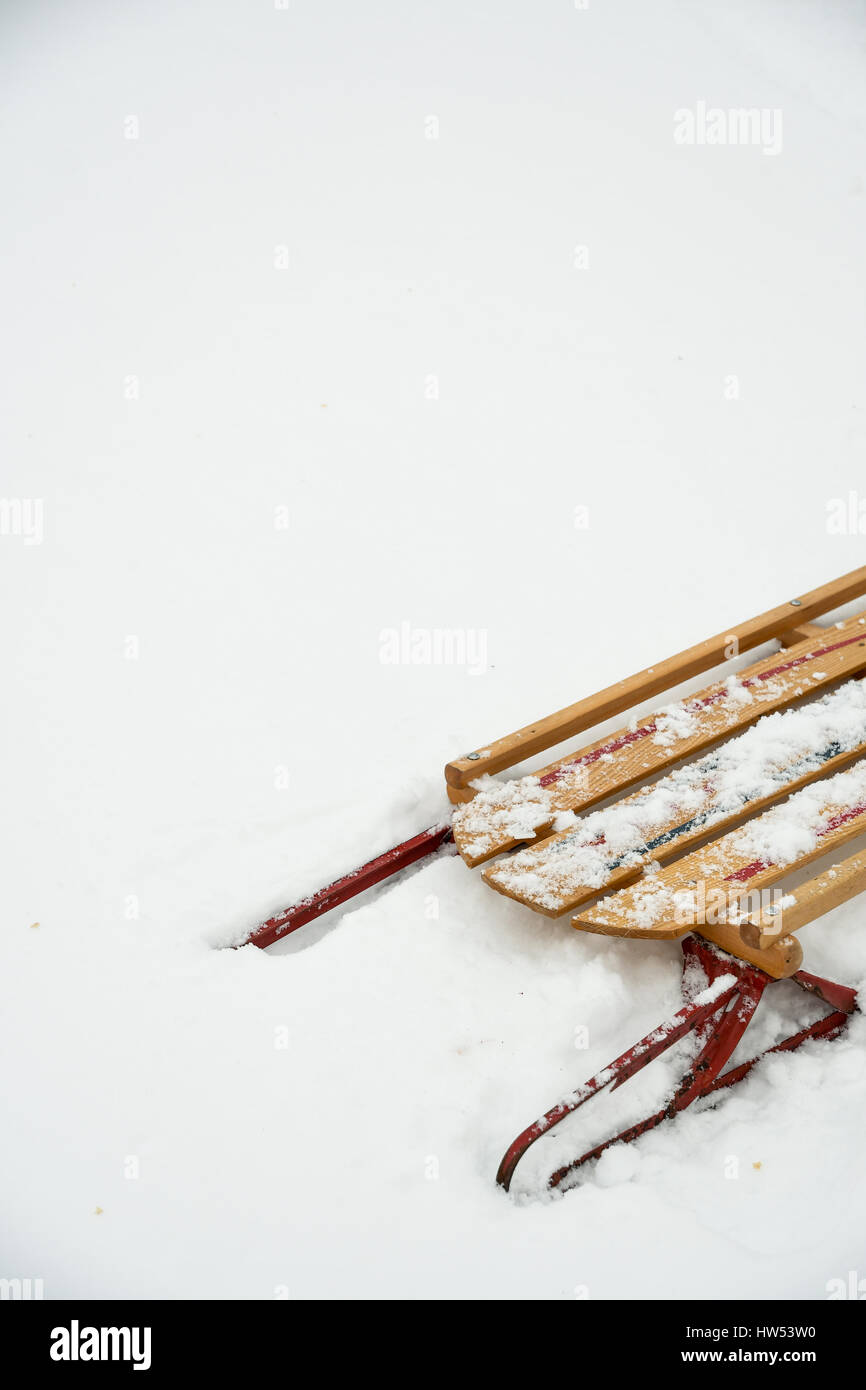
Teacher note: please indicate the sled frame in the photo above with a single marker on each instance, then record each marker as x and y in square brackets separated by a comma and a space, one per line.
[719, 1013]
[719, 1023]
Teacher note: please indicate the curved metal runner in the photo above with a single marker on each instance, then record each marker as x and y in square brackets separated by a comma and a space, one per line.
[719, 1021]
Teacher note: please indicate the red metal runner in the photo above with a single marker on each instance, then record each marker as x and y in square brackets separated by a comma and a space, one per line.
[350, 885]
[720, 1023]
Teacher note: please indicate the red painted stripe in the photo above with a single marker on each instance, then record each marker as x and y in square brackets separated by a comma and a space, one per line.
[798, 660]
[842, 819]
[624, 740]
[758, 865]
[748, 871]
[588, 758]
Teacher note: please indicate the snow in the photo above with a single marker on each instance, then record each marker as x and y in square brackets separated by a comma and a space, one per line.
[511, 810]
[795, 827]
[759, 763]
[286, 374]
[675, 722]
[503, 813]
[786, 833]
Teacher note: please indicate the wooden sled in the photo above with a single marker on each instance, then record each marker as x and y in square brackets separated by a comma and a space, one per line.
[740, 786]
[686, 822]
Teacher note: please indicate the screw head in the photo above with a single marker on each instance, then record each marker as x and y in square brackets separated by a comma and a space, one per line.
[473, 756]
[797, 602]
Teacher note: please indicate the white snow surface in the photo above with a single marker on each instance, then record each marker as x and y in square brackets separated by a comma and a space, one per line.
[284, 295]
[787, 832]
[779, 748]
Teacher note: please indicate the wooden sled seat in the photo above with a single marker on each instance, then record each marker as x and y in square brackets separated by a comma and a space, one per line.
[704, 891]
[500, 816]
[737, 787]
[609, 848]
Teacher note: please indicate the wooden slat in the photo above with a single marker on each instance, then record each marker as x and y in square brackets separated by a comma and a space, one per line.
[531, 875]
[723, 871]
[595, 709]
[812, 899]
[631, 755]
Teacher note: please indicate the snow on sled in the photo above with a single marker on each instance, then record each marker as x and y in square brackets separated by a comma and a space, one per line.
[703, 809]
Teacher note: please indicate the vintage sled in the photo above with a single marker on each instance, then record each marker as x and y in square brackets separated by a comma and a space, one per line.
[704, 809]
